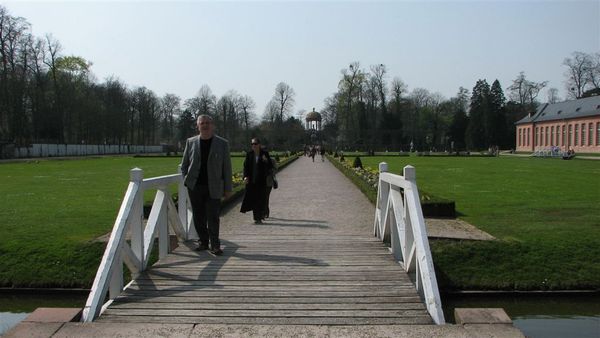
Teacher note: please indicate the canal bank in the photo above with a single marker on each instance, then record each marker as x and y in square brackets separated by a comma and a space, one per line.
[17, 304]
[536, 314]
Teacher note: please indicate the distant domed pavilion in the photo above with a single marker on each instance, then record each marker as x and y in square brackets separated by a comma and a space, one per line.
[313, 121]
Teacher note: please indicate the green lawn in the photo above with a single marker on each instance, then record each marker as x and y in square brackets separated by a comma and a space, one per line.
[545, 213]
[51, 210]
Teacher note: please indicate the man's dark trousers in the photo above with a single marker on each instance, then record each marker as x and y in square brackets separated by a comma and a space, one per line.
[206, 215]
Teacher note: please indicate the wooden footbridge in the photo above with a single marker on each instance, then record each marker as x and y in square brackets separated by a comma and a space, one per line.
[326, 256]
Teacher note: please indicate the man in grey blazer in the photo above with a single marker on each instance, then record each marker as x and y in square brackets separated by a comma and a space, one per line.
[206, 169]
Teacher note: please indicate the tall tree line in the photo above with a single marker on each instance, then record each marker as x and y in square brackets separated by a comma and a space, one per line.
[367, 112]
[49, 97]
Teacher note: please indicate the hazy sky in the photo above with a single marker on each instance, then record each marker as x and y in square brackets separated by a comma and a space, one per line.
[176, 47]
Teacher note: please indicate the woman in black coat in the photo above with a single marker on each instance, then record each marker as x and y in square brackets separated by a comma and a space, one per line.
[257, 166]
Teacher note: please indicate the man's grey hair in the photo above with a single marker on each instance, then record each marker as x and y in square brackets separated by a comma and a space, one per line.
[204, 116]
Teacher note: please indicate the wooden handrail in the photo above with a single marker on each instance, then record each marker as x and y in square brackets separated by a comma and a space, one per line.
[109, 278]
[399, 221]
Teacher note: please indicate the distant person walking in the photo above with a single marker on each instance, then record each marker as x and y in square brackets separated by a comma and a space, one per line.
[322, 151]
[206, 168]
[313, 152]
[256, 168]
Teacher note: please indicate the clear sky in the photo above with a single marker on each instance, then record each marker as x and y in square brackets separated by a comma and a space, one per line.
[177, 46]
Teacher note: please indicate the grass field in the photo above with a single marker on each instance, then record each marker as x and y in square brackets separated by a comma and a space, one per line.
[545, 213]
[50, 210]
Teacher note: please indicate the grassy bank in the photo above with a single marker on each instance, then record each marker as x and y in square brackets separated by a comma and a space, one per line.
[51, 210]
[544, 213]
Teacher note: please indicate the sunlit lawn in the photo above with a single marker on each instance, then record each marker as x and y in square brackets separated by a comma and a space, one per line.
[50, 210]
[546, 213]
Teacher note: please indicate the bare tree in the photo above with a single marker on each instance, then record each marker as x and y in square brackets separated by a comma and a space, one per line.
[170, 106]
[398, 88]
[422, 98]
[52, 56]
[378, 75]
[553, 95]
[284, 99]
[594, 71]
[247, 106]
[271, 112]
[15, 42]
[350, 88]
[227, 114]
[207, 101]
[577, 73]
[524, 91]
[146, 114]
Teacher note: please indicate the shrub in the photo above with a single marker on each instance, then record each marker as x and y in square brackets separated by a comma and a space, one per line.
[357, 163]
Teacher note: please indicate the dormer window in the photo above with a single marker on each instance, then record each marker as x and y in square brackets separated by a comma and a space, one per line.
[560, 111]
[578, 109]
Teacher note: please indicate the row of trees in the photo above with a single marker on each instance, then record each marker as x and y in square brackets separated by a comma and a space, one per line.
[46, 96]
[49, 97]
[367, 112]
[235, 118]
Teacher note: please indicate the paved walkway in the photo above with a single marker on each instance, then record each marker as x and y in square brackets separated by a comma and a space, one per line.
[313, 198]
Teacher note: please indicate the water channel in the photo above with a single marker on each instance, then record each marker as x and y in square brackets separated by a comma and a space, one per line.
[536, 315]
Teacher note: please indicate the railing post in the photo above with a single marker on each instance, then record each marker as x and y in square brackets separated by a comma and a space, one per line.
[422, 262]
[136, 175]
[410, 174]
[182, 205]
[116, 280]
[383, 167]
[163, 227]
[381, 202]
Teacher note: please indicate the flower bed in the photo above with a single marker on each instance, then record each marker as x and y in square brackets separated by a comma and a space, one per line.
[367, 179]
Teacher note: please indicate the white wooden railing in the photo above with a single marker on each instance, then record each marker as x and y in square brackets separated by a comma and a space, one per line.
[399, 221]
[130, 220]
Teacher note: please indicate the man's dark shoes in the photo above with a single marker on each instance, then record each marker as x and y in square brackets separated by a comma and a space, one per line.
[216, 251]
[258, 221]
[202, 247]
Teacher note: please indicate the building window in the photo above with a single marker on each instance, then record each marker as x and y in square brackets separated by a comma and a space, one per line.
[527, 138]
[546, 137]
[562, 140]
[522, 137]
[590, 133]
[557, 134]
[570, 136]
[583, 134]
[552, 135]
[576, 139]
[598, 133]
[519, 139]
[537, 136]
